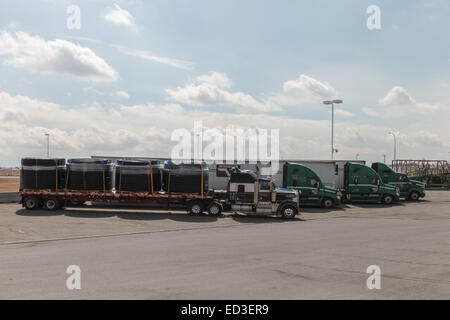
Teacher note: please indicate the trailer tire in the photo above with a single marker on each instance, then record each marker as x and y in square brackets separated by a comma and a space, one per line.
[388, 199]
[327, 203]
[414, 196]
[288, 211]
[76, 203]
[32, 203]
[52, 203]
[214, 209]
[195, 208]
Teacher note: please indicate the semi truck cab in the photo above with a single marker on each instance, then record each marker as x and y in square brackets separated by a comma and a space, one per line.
[313, 191]
[362, 183]
[248, 192]
[409, 189]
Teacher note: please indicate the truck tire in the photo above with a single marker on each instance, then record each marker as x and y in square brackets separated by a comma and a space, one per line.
[327, 203]
[52, 203]
[288, 211]
[414, 196]
[32, 203]
[214, 209]
[195, 208]
[388, 199]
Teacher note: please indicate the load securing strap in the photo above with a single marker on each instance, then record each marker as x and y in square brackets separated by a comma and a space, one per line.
[120, 181]
[151, 177]
[104, 185]
[56, 184]
[201, 187]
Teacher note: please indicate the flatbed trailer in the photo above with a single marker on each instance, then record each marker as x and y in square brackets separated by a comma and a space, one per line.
[53, 200]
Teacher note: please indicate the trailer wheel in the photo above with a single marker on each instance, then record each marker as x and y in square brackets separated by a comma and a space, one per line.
[289, 212]
[327, 203]
[195, 208]
[414, 196]
[214, 209]
[52, 203]
[388, 199]
[76, 203]
[32, 203]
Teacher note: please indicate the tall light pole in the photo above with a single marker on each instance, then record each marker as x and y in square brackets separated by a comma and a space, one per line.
[332, 102]
[48, 144]
[384, 156]
[395, 144]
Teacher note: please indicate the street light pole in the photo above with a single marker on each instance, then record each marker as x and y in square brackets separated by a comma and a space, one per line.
[332, 102]
[395, 144]
[48, 145]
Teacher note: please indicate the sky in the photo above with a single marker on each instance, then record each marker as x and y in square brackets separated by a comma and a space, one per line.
[120, 79]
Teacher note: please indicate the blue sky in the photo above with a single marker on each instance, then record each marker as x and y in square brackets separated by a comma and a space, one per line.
[288, 54]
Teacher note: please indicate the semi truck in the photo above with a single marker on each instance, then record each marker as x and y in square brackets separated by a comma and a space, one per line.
[409, 189]
[312, 190]
[362, 183]
[246, 192]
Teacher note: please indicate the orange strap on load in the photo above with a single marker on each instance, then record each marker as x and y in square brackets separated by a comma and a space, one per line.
[151, 177]
[120, 180]
[104, 185]
[201, 187]
[56, 185]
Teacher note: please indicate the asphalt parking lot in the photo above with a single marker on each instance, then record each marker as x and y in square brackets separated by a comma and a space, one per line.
[136, 253]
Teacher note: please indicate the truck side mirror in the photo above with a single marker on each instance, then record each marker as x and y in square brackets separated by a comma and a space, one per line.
[356, 181]
[317, 185]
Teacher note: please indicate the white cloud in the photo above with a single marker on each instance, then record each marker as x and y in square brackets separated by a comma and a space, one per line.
[304, 90]
[210, 90]
[121, 94]
[176, 63]
[343, 113]
[145, 130]
[35, 54]
[120, 16]
[118, 94]
[399, 103]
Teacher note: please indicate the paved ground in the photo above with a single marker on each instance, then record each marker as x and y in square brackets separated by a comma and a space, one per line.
[131, 253]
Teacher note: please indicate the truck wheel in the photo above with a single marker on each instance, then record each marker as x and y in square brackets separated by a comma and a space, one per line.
[289, 212]
[327, 203]
[388, 199]
[414, 196]
[32, 203]
[214, 209]
[195, 208]
[52, 203]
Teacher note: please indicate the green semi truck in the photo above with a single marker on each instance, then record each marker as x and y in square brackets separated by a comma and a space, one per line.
[409, 189]
[313, 192]
[362, 183]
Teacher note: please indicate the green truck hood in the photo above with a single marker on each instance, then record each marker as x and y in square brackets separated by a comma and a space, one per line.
[329, 189]
[418, 183]
[389, 186]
